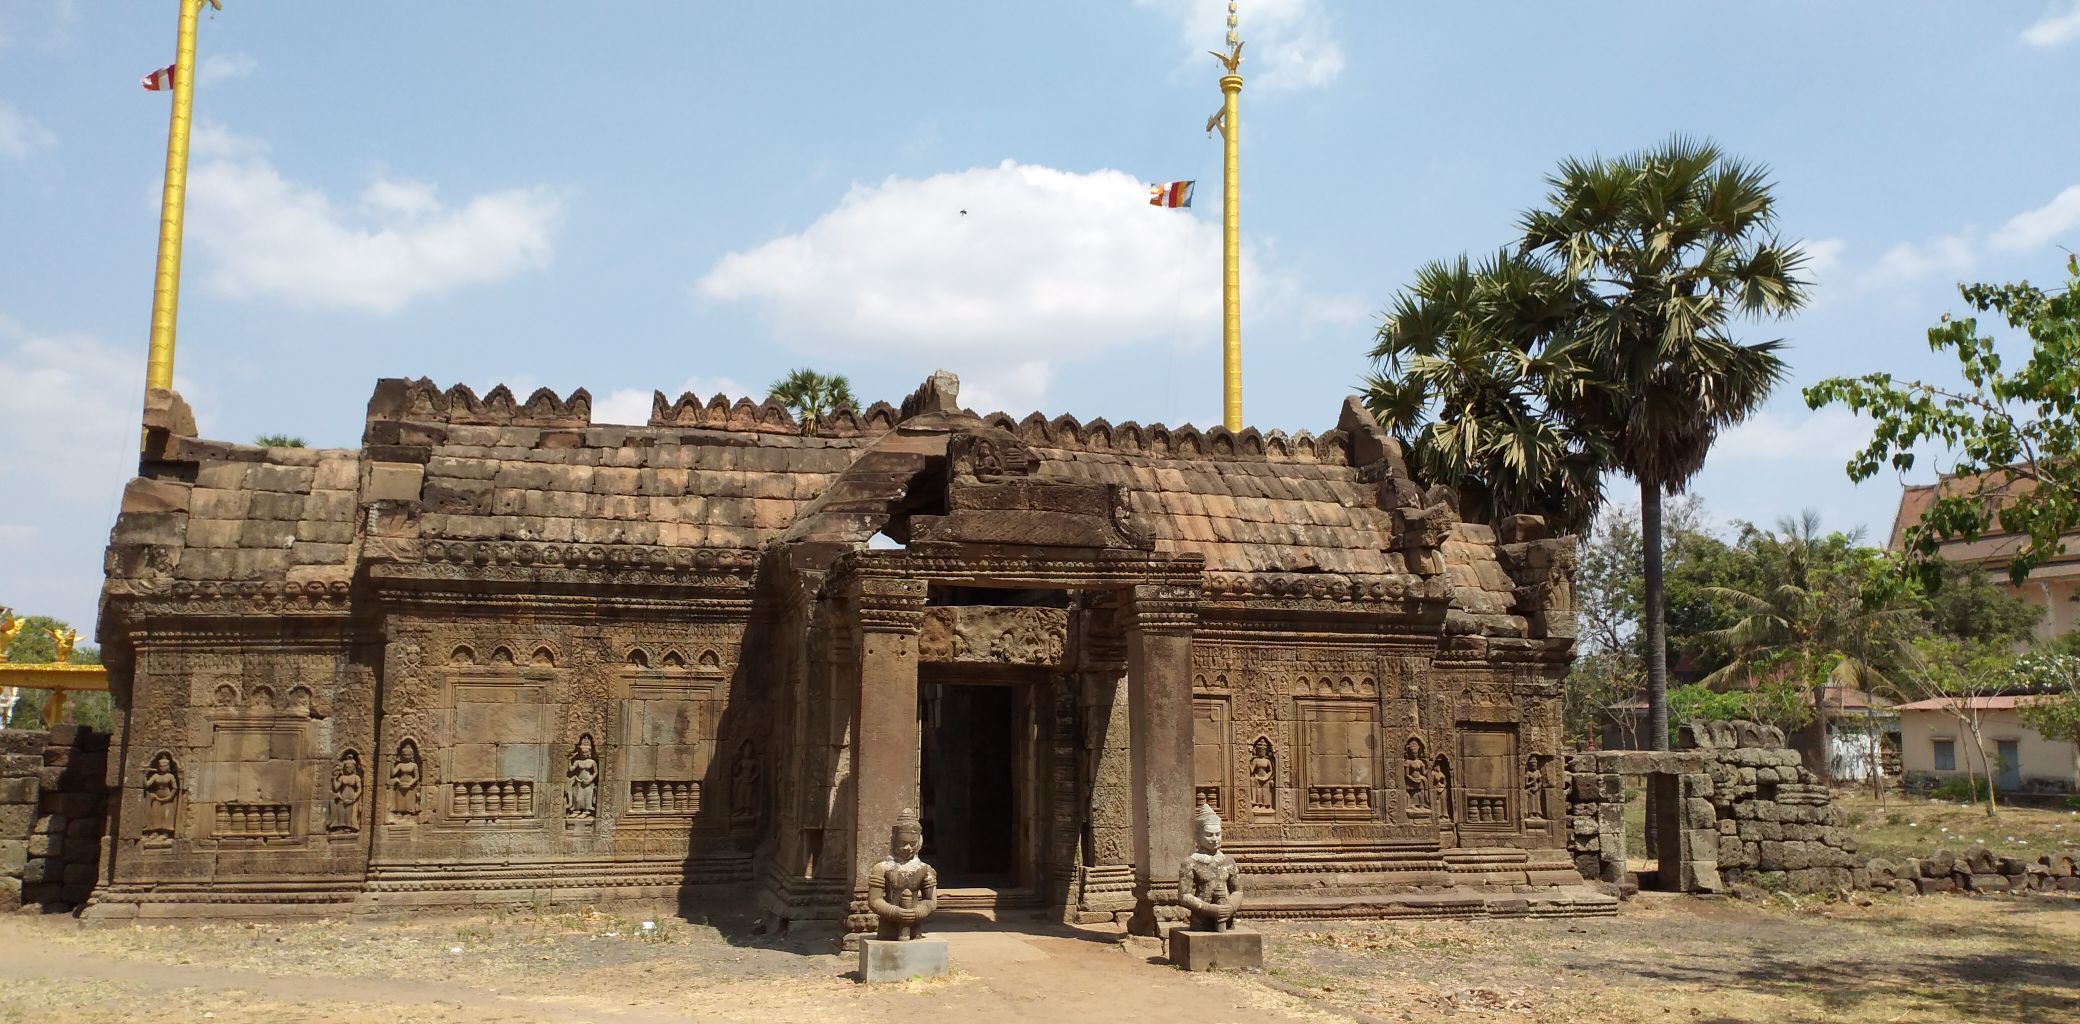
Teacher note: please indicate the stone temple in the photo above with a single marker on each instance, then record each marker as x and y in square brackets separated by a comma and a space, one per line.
[502, 653]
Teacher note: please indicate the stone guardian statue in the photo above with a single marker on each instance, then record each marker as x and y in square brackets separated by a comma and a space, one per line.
[1209, 888]
[1209, 885]
[902, 890]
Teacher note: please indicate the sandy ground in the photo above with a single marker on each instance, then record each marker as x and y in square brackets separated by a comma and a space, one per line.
[1666, 958]
[1710, 961]
[551, 966]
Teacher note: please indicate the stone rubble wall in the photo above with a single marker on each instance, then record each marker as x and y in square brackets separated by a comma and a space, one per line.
[1976, 870]
[1751, 812]
[53, 798]
[1777, 824]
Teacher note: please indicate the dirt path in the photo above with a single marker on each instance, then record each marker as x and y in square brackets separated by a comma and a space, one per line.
[1663, 959]
[582, 968]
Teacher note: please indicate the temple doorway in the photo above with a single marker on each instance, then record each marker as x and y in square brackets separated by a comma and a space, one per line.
[972, 784]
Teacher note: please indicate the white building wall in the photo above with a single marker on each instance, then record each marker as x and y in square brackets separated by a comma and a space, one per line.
[2040, 758]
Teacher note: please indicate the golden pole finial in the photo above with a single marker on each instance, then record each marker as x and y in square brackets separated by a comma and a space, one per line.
[166, 280]
[1231, 224]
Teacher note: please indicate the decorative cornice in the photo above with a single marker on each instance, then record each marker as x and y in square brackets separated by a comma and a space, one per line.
[1165, 610]
[211, 597]
[887, 605]
[771, 417]
[1331, 447]
[737, 561]
[1331, 587]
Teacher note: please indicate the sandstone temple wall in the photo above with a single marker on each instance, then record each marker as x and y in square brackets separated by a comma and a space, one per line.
[500, 652]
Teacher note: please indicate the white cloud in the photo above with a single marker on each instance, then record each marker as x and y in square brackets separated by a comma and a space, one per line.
[1823, 259]
[631, 406]
[1287, 44]
[223, 67]
[1041, 260]
[1829, 434]
[22, 136]
[2059, 25]
[269, 237]
[2046, 223]
[1909, 262]
[71, 424]
[1016, 389]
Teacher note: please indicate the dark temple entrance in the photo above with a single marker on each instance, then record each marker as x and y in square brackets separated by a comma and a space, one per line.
[970, 767]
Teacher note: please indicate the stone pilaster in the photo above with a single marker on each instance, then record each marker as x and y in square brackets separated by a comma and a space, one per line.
[1160, 624]
[886, 613]
[1105, 886]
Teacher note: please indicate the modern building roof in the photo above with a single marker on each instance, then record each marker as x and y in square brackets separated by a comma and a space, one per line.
[1992, 550]
[2000, 702]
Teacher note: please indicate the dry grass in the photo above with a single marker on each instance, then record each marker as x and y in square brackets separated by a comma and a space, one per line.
[1913, 826]
[1892, 961]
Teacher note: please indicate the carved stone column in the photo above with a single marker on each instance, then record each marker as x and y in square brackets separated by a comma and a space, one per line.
[1105, 888]
[1160, 623]
[884, 747]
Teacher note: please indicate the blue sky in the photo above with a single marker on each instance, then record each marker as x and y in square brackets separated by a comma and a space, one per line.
[632, 196]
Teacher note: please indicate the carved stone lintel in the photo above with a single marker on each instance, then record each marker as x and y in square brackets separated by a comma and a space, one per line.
[993, 636]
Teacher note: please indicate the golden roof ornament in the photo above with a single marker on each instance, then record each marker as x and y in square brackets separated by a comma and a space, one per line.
[63, 641]
[10, 627]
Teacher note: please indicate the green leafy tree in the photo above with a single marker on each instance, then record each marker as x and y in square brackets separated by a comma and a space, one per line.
[1466, 388]
[1968, 605]
[1779, 702]
[1610, 590]
[2011, 435]
[278, 441]
[1820, 614]
[1671, 247]
[811, 395]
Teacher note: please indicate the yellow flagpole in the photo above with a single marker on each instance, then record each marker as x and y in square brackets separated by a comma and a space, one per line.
[1231, 228]
[166, 283]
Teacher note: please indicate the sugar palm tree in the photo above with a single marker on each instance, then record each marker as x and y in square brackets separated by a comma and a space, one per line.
[1670, 247]
[1465, 386]
[811, 395]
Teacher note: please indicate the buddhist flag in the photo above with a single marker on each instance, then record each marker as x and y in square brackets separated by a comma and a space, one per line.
[1173, 196]
[160, 79]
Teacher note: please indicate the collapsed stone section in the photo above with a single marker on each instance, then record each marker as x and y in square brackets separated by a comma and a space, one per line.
[1734, 805]
[501, 652]
[53, 796]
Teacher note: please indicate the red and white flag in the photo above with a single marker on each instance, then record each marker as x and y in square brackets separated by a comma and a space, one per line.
[160, 79]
